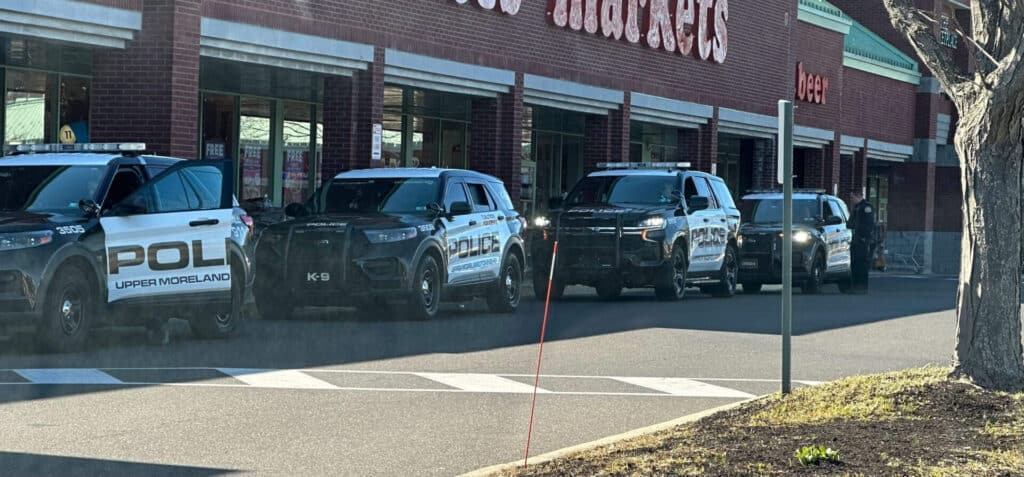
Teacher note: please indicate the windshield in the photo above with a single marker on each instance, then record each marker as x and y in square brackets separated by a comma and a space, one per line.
[48, 189]
[769, 211]
[381, 195]
[618, 190]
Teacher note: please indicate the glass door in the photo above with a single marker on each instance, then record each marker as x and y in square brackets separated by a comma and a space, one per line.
[254, 148]
[453, 145]
[296, 138]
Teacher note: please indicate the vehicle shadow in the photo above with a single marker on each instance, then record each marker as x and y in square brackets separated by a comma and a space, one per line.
[16, 464]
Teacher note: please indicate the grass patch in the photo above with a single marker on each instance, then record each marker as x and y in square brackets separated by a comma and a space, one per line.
[914, 422]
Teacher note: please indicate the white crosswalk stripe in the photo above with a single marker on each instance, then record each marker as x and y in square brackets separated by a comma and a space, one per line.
[685, 387]
[264, 378]
[67, 376]
[481, 383]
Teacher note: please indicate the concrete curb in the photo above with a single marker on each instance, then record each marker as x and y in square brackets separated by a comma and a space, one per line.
[543, 458]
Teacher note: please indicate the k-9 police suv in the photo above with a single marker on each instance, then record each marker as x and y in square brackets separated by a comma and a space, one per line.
[821, 241]
[98, 234]
[413, 236]
[641, 225]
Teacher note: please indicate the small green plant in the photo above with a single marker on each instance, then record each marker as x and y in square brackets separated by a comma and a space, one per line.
[814, 455]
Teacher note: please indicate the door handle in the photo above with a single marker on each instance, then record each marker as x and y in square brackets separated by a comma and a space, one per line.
[472, 223]
[203, 222]
[707, 220]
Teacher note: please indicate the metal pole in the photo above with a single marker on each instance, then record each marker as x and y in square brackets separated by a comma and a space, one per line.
[786, 173]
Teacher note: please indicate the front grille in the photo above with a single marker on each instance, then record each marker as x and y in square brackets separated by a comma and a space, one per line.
[759, 243]
[313, 253]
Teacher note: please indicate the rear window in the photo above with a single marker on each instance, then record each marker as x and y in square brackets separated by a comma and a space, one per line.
[723, 194]
[501, 195]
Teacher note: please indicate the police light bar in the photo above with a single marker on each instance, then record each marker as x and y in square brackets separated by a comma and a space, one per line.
[779, 191]
[87, 147]
[643, 165]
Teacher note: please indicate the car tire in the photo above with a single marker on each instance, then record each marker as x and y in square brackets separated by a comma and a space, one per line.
[272, 306]
[671, 283]
[508, 290]
[425, 298]
[227, 320]
[726, 287]
[813, 284]
[68, 312]
[752, 288]
[609, 289]
[540, 287]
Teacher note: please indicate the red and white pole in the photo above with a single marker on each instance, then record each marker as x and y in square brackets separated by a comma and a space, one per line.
[540, 352]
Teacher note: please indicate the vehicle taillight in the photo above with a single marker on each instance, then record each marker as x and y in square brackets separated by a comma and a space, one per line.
[249, 223]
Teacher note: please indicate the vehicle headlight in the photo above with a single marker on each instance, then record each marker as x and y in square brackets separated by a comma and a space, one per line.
[542, 221]
[801, 236]
[739, 241]
[21, 240]
[653, 222]
[391, 235]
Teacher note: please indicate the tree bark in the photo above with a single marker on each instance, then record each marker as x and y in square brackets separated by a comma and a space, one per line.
[989, 350]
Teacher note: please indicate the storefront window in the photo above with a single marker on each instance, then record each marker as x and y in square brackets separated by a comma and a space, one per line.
[254, 146]
[556, 145]
[219, 127]
[74, 110]
[878, 191]
[296, 140]
[653, 143]
[424, 128]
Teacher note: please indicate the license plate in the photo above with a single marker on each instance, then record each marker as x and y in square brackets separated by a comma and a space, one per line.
[750, 263]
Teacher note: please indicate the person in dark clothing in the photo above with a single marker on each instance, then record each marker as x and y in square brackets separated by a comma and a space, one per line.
[862, 223]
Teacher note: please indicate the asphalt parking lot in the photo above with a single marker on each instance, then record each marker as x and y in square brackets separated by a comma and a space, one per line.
[332, 392]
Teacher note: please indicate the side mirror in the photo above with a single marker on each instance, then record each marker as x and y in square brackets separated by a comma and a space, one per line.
[698, 202]
[460, 208]
[436, 210]
[555, 203]
[296, 209]
[834, 220]
[90, 207]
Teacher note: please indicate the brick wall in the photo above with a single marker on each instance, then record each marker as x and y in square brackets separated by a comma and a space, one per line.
[821, 52]
[758, 32]
[149, 92]
[878, 108]
[911, 207]
[948, 199]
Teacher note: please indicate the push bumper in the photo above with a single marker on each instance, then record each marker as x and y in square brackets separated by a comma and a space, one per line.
[767, 268]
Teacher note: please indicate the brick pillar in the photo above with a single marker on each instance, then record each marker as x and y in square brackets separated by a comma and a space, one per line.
[832, 166]
[510, 139]
[846, 176]
[707, 154]
[689, 148]
[618, 132]
[813, 174]
[860, 171]
[596, 141]
[762, 160]
[149, 92]
[351, 107]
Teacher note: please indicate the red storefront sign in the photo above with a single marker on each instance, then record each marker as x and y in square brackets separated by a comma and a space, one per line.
[690, 27]
[810, 87]
[510, 7]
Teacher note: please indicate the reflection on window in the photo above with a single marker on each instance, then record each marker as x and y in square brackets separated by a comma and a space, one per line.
[254, 143]
[26, 107]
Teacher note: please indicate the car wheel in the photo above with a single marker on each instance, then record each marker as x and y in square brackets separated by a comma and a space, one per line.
[271, 305]
[609, 288]
[751, 287]
[726, 288]
[67, 312]
[504, 297]
[425, 299]
[226, 320]
[812, 285]
[671, 285]
[540, 287]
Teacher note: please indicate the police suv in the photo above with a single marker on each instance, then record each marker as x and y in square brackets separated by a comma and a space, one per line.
[821, 241]
[376, 237]
[99, 234]
[638, 225]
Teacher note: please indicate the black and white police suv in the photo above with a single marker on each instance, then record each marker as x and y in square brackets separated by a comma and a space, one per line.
[100, 234]
[380, 236]
[821, 241]
[636, 225]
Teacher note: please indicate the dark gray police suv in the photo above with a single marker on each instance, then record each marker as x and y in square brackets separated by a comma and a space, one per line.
[638, 225]
[380, 237]
[101, 234]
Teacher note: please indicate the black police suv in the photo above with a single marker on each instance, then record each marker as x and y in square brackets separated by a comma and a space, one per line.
[821, 241]
[99, 234]
[638, 225]
[380, 237]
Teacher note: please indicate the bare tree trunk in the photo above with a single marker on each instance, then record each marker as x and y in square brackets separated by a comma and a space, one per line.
[989, 350]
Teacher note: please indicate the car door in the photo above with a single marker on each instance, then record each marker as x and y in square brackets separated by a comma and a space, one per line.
[708, 228]
[170, 236]
[459, 231]
[838, 236]
[488, 235]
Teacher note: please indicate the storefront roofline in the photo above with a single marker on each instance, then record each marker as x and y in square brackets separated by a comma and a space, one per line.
[658, 103]
[267, 46]
[445, 75]
[824, 15]
[863, 63]
[69, 21]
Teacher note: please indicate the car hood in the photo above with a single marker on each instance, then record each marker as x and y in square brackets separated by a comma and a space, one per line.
[770, 228]
[11, 222]
[629, 214]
